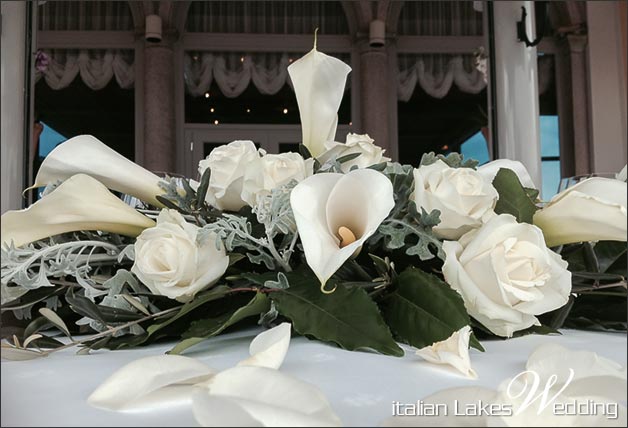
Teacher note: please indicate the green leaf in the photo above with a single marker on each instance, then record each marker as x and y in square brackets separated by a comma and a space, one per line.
[424, 309]
[203, 329]
[56, 320]
[537, 329]
[347, 158]
[202, 188]
[304, 151]
[213, 294]
[610, 255]
[347, 317]
[513, 198]
[85, 307]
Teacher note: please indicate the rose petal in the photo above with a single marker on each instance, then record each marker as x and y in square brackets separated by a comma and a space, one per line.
[85, 154]
[218, 411]
[269, 348]
[453, 351]
[552, 359]
[79, 203]
[146, 375]
[269, 397]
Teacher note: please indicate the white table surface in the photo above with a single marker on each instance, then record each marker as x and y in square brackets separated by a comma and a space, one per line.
[360, 386]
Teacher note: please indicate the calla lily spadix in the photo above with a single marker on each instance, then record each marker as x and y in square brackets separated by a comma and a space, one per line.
[85, 154]
[336, 213]
[319, 83]
[79, 203]
[595, 209]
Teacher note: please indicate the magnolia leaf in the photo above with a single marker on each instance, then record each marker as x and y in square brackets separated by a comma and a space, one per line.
[85, 307]
[424, 309]
[18, 354]
[136, 304]
[513, 198]
[56, 320]
[536, 329]
[201, 192]
[203, 329]
[347, 317]
[235, 258]
[611, 256]
[347, 158]
[304, 151]
[213, 294]
[39, 323]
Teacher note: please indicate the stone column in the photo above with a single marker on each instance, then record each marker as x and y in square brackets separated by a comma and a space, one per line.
[374, 95]
[12, 103]
[580, 102]
[516, 80]
[159, 107]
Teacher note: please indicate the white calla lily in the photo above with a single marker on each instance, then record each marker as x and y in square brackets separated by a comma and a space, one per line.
[269, 348]
[267, 396]
[79, 203]
[592, 210]
[336, 213]
[453, 351]
[86, 154]
[319, 84]
[134, 384]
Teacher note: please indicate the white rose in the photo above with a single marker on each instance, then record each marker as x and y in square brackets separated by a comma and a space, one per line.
[272, 171]
[228, 165]
[170, 260]
[506, 274]
[370, 154]
[490, 170]
[595, 209]
[465, 200]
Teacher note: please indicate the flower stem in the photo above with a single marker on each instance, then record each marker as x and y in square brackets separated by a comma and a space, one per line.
[111, 330]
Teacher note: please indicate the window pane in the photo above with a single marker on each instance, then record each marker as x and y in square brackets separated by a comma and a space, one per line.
[550, 171]
[476, 148]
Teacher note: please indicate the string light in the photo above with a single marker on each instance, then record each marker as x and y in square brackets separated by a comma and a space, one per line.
[216, 122]
[206, 94]
[211, 109]
[350, 123]
[248, 110]
[445, 147]
[285, 111]
[241, 59]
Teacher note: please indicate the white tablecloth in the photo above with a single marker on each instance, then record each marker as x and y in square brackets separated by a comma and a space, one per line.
[361, 386]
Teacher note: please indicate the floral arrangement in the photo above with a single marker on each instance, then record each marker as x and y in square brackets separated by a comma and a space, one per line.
[347, 246]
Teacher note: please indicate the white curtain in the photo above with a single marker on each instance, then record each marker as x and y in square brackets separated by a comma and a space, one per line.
[93, 15]
[439, 18]
[234, 72]
[269, 17]
[436, 74]
[96, 68]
